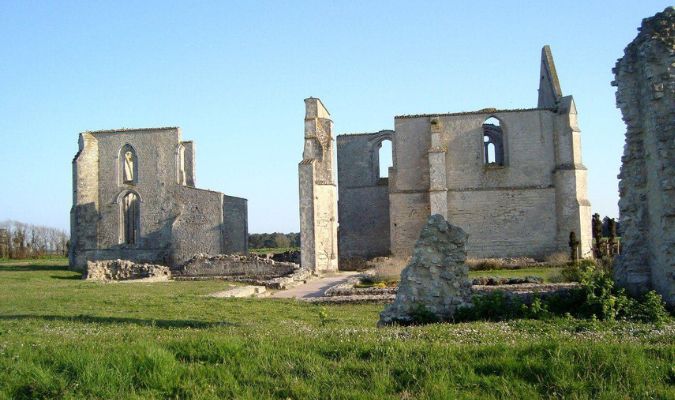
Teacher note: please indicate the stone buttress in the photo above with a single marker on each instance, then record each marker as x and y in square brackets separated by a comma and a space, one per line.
[318, 192]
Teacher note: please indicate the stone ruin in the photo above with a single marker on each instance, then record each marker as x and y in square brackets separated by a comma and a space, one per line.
[646, 96]
[134, 198]
[436, 279]
[251, 269]
[207, 266]
[121, 270]
[318, 193]
[513, 179]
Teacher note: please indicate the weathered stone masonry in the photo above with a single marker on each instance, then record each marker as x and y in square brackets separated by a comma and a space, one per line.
[134, 199]
[363, 205]
[318, 202]
[512, 179]
[646, 96]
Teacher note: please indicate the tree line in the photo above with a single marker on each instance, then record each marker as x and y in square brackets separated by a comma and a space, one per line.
[20, 240]
[606, 227]
[272, 240]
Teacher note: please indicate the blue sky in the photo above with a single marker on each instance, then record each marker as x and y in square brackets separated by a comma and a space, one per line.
[233, 76]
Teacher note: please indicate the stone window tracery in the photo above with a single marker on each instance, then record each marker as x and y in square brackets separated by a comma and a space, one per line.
[493, 142]
[128, 165]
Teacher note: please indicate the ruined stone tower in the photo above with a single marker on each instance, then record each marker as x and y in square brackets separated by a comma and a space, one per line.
[318, 192]
[646, 96]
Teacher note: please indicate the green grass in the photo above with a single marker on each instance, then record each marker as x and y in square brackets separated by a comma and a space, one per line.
[57, 262]
[61, 337]
[549, 274]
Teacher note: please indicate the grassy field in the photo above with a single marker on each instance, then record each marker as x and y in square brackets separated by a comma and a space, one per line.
[549, 274]
[61, 337]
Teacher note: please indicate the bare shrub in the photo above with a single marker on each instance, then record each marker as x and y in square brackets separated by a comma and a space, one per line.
[484, 264]
[387, 269]
[558, 258]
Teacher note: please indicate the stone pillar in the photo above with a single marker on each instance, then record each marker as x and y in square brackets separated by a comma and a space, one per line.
[438, 187]
[573, 210]
[646, 96]
[318, 192]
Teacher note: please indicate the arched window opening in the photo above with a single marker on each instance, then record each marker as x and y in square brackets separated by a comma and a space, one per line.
[385, 158]
[180, 164]
[493, 142]
[490, 155]
[130, 219]
[492, 121]
[128, 165]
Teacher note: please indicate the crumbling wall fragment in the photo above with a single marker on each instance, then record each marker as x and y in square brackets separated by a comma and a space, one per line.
[436, 279]
[646, 96]
[318, 192]
[203, 265]
[121, 270]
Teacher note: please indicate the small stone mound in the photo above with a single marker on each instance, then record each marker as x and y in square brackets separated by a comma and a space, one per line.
[435, 282]
[121, 270]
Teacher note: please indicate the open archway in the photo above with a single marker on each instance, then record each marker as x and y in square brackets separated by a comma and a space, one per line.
[385, 155]
[493, 142]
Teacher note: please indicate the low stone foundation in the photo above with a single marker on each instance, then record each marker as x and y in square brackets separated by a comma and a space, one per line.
[202, 265]
[525, 293]
[292, 256]
[120, 270]
[250, 269]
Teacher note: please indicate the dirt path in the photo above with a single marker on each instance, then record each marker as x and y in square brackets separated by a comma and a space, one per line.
[315, 287]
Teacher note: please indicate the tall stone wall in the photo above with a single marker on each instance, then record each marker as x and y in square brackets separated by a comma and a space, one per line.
[197, 225]
[524, 202]
[526, 205]
[646, 96]
[318, 192]
[174, 220]
[409, 183]
[235, 225]
[363, 205]
[84, 213]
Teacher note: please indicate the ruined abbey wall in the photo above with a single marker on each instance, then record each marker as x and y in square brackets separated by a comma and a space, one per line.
[522, 198]
[172, 220]
[364, 196]
[520, 208]
[646, 96]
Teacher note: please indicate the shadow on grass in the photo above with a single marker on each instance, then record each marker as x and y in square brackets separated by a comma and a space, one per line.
[32, 267]
[90, 319]
[76, 277]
